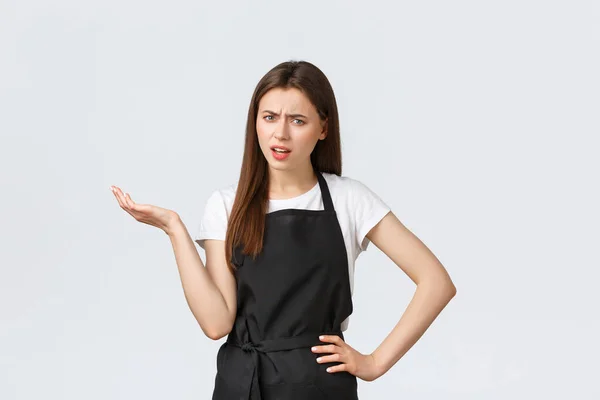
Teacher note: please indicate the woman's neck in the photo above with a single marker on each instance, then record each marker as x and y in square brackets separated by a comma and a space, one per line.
[285, 184]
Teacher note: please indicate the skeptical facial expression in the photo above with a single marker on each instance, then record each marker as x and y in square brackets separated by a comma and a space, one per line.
[288, 128]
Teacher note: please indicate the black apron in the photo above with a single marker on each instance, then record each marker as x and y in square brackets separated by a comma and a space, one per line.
[296, 289]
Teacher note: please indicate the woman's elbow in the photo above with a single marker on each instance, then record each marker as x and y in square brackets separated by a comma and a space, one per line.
[216, 334]
[451, 290]
[441, 285]
[446, 286]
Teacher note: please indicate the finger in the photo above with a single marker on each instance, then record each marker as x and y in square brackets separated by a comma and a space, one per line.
[130, 202]
[116, 193]
[330, 358]
[328, 348]
[331, 339]
[122, 202]
[337, 368]
[122, 198]
[131, 206]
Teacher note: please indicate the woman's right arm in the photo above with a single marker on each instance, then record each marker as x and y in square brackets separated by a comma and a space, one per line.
[209, 291]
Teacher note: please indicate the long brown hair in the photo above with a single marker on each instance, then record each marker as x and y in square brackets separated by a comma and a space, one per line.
[247, 220]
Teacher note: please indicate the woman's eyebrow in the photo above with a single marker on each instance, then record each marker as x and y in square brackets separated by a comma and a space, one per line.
[287, 115]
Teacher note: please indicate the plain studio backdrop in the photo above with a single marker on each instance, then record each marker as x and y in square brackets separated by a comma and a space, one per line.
[477, 122]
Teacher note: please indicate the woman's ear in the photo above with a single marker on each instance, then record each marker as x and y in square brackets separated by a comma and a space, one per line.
[324, 130]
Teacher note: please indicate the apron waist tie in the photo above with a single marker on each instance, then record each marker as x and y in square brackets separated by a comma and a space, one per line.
[271, 345]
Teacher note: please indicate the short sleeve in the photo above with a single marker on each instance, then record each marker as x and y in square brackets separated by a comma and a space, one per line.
[368, 209]
[213, 224]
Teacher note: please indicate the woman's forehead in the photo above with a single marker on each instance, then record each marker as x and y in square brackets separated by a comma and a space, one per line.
[289, 100]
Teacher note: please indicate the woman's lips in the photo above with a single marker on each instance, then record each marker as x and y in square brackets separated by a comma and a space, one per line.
[278, 155]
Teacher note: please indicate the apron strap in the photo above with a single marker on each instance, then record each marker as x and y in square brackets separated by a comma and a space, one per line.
[267, 346]
[327, 203]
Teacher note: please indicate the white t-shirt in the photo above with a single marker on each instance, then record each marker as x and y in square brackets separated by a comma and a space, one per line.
[357, 207]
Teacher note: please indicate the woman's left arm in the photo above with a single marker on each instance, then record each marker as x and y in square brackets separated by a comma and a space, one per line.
[434, 290]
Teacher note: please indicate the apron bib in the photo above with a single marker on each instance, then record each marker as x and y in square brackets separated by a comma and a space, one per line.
[296, 289]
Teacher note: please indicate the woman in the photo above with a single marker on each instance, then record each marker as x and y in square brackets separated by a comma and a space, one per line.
[280, 250]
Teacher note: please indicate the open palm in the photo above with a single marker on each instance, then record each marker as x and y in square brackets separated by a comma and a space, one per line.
[146, 213]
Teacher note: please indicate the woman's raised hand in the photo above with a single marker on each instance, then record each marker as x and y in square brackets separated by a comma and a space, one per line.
[146, 213]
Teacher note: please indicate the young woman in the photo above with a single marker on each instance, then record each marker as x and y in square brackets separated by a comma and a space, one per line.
[280, 249]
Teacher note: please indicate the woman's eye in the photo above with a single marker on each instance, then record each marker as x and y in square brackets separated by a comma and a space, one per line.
[268, 116]
[300, 121]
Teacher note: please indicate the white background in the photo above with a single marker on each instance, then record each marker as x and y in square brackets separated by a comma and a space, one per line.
[477, 122]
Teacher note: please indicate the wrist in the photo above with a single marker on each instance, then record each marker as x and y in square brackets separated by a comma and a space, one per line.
[174, 224]
[378, 364]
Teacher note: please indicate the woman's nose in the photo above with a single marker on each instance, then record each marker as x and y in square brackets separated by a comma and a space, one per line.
[281, 132]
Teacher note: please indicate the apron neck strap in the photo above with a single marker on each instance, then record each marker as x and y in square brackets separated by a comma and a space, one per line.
[327, 203]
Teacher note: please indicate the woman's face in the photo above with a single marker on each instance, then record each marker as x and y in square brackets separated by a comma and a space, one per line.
[288, 121]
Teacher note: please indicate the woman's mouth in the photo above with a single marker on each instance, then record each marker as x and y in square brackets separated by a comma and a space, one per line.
[280, 153]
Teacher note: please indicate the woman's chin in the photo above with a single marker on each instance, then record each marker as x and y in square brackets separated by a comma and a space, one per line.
[279, 166]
